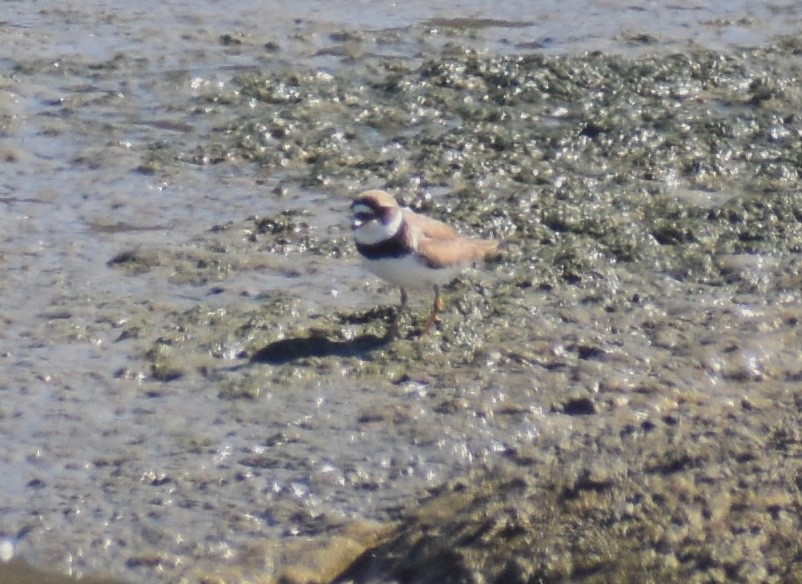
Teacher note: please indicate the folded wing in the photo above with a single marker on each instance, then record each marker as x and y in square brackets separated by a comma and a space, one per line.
[443, 253]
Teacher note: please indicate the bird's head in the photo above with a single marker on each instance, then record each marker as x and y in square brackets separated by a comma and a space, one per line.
[376, 217]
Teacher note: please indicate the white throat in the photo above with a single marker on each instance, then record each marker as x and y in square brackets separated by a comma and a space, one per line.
[374, 231]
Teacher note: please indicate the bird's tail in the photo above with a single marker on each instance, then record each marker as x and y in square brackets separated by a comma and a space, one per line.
[488, 249]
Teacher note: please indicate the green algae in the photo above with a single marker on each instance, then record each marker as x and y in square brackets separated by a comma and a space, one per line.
[534, 147]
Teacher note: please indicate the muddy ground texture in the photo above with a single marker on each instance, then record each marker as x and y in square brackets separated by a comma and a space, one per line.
[649, 295]
[647, 304]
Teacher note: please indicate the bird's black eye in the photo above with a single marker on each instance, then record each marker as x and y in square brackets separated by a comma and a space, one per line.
[364, 216]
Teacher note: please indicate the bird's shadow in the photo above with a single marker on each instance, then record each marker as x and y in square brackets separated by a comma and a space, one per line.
[288, 350]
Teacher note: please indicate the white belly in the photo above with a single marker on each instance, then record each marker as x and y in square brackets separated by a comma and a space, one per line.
[408, 272]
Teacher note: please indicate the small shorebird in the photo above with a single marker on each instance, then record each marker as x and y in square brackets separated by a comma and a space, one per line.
[411, 250]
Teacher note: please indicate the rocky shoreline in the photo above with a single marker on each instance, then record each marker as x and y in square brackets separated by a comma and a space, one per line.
[614, 400]
[650, 296]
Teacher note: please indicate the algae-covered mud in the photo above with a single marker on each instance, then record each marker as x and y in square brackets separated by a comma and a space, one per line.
[195, 384]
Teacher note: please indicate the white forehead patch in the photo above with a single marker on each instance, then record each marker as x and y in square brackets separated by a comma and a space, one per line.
[360, 208]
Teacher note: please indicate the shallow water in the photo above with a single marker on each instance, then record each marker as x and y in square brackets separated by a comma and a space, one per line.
[104, 466]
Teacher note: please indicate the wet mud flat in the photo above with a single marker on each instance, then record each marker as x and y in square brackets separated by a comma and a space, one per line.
[615, 399]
